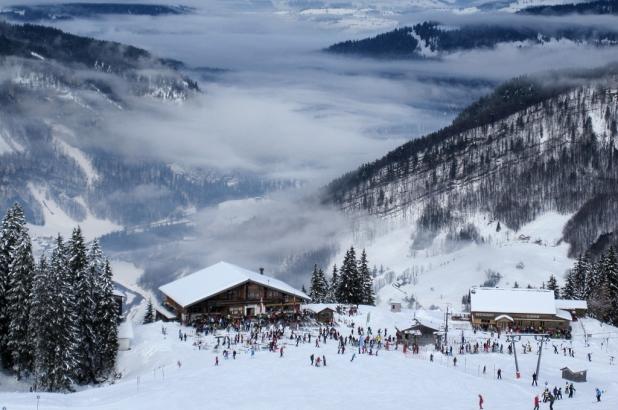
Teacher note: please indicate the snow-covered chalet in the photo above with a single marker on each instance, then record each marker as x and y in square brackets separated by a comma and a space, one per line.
[227, 290]
[517, 309]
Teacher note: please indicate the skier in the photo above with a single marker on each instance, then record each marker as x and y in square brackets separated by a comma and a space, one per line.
[499, 373]
[455, 363]
[312, 357]
[431, 357]
[551, 401]
[598, 394]
[216, 360]
[480, 402]
[571, 390]
[324, 360]
[353, 356]
[534, 382]
[589, 356]
[281, 351]
[536, 402]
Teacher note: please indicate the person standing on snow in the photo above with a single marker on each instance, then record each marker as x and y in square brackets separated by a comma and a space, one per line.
[499, 374]
[598, 394]
[551, 401]
[534, 377]
[536, 402]
[480, 402]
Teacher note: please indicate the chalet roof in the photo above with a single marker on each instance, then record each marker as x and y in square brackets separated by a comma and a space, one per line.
[563, 314]
[571, 304]
[319, 307]
[501, 300]
[217, 278]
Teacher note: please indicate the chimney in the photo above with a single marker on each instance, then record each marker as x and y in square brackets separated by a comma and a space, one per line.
[261, 271]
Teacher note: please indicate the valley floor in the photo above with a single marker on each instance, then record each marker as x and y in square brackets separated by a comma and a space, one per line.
[152, 378]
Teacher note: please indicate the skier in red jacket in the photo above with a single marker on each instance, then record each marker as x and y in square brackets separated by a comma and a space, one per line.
[536, 402]
[480, 402]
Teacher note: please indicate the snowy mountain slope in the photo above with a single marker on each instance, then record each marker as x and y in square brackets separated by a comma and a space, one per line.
[522, 181]
[433, 40]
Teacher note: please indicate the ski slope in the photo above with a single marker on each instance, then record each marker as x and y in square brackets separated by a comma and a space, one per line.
[152, 378]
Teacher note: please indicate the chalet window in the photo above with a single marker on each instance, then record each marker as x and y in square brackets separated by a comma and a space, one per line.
[272, 294]
[254, 292]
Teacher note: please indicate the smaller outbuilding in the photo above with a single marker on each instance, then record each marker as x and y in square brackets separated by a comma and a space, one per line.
[322, 312]
[419, 333]
[395, 307]
[569, 374]
[125, 335]
[577, 308]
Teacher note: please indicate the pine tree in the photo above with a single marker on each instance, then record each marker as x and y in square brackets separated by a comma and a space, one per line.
[42, 318]
[7, 242]
[149, 316]
[515, 285]
[350, 288]
[83, 283]
[302, 289]
[18, 296]
[366, 280]
[552, 284]
[109, 323]
[315, 291]
[65, 365]
[568, 290]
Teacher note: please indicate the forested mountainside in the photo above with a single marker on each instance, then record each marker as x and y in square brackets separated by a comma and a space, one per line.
[69, 11]
[55, 93]
[591, 7]
[431, 39]
[534, 145]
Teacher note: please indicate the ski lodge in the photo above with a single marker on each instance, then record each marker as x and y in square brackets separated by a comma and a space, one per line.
[226, 290]
[517, 310]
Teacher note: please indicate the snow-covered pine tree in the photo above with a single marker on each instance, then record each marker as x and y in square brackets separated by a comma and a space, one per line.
[366, 280]
[83, 283]
[18, 297]
[552, 284]
[610, 284]
[7, 242]
[149, 315]
[315, 290]
[350, 288]
[42, 319]
[66, 336]
[303, 289]
[581, 270]
[95, 268]
[568, 290]
[109, 323]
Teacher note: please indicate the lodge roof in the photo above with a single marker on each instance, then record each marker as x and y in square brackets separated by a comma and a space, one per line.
[218, 278]
[571, 304]
[501, 300]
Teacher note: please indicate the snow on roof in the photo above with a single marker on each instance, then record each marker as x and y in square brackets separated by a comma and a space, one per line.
[570, 304]
[500, 300]
[125, 330]
[563, 314]
[116, 292]
[165, 312]
[318, 307]
[507, 317]
[217, 278]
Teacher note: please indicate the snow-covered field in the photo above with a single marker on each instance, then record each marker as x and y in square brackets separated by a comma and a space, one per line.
[152, 378]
